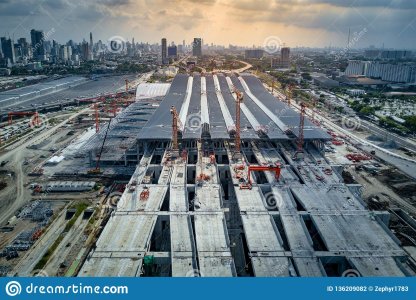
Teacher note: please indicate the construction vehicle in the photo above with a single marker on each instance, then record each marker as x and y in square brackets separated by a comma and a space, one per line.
[97, 169]
[144, 195]
[246, 184]
[132, 187]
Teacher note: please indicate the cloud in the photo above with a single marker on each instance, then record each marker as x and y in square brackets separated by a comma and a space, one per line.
[301, 22]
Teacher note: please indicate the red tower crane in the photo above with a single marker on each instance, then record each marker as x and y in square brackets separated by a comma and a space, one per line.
[239, 99]
[175, 119]
[276, 168]
[97, 169]
[36, 119]
[127, 85]
[289, 93]
[300, 139]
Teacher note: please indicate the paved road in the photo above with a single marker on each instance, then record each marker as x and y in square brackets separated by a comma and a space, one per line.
[401, 141]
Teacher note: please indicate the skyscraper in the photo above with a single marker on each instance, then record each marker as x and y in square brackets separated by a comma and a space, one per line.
[85, 50]
[91, 48]
[197, 47]
[7, 48]
[38, 46]
[24, 46]
[164, 51]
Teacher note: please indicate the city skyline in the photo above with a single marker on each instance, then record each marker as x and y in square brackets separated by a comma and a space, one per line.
[322, 24]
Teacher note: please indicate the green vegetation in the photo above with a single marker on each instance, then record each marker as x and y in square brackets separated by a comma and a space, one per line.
[132, 68]
[390, 123]
[362, 108]
[306, 76]
[410, 123]
[49, 253]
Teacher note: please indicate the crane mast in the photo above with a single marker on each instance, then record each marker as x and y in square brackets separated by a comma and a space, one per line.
[175, 117]
[239, 99]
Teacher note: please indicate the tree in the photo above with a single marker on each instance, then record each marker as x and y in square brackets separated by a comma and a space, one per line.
[410, 122]
[306, 76]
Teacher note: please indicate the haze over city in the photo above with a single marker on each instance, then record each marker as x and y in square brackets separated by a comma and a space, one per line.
[315, 23]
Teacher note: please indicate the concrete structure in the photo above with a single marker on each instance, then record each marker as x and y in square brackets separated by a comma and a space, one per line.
[188, 216]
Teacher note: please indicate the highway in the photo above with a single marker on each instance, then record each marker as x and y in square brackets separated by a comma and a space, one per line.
[103, 85]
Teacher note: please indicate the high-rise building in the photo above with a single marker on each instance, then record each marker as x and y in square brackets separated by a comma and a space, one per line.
[7, 47]
[197, 47]
[285, 57]
[172, 51]
[24, 47]
[164, 51]
[85, 50]
[38, 46]
[63, 53]
[91, 48]
[254, 53]
[283, 61]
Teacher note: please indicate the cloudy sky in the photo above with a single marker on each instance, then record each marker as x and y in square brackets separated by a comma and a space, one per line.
[242, 22]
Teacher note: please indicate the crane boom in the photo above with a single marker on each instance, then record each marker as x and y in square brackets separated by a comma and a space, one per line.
[97, 166]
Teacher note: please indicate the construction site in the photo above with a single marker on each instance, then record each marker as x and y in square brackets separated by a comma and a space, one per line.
[211, 175]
